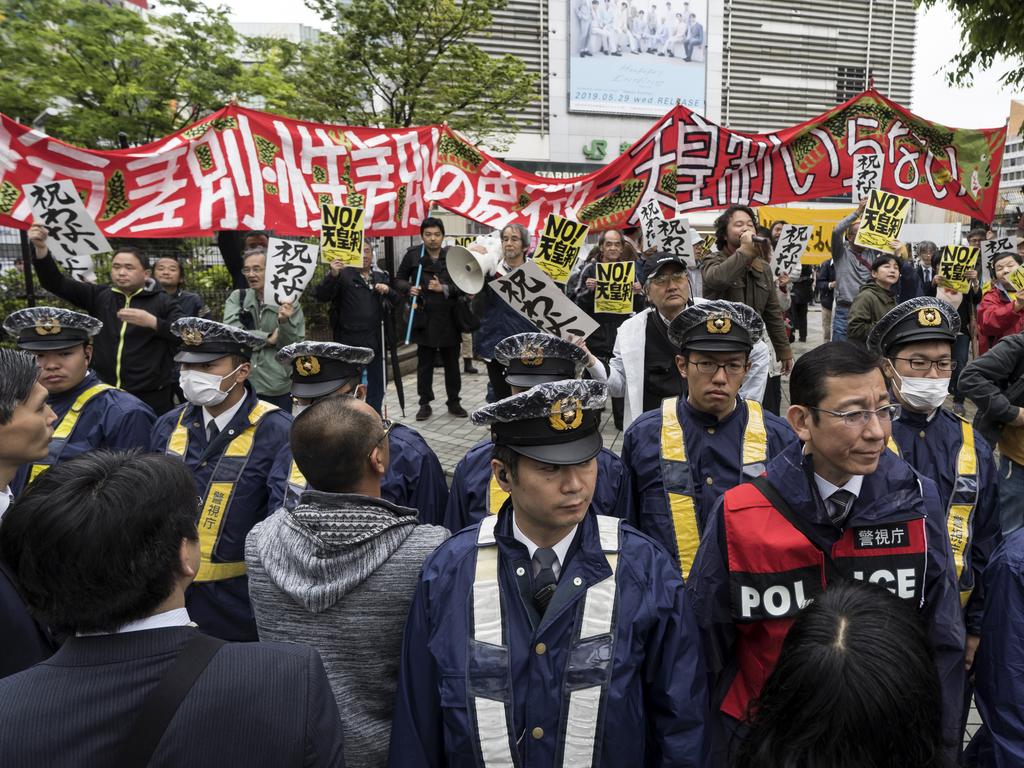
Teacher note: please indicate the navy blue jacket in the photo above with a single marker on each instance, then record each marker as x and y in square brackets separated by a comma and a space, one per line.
[221, 608]
[713, 450]
[894, 492]
[255, 704]
[468, 498]
[22, 641]
[112, 419]
[655, 708]
[932, 447]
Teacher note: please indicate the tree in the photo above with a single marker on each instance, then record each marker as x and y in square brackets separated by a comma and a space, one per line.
[110, 70]
[397, 63]
[991, 28]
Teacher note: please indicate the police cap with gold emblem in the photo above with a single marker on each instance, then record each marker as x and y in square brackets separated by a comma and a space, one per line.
[925, 318]
[555, 423]
[205, 340]
[716, 326]
[320, 367]
[536, 358]
[38, 329]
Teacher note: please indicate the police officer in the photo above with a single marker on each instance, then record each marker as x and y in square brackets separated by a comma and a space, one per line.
[229, 438]
[916, 340]
[835, 505]
[414, 476]
[529, 359]
[544, 635]
[682, 457]
[90, 414]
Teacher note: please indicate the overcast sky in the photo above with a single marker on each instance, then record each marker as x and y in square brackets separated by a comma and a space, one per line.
[985, 105]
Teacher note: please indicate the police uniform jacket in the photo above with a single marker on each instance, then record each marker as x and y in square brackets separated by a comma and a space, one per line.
[714, 453]
[220, 606]
[111, 419]
[470, 499]
[893, 493]
[653, 710]
[932, 447]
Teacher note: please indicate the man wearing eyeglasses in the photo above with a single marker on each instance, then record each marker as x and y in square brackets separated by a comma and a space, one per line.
[690, 450]
[916, 340]
[836, 505]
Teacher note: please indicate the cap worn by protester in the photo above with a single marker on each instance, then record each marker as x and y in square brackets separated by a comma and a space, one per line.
[716, 326]
[554, 423]
[660, 260]
[536, 358]
[203, 341]
[925, 318]
[39, 329]
[321, 367]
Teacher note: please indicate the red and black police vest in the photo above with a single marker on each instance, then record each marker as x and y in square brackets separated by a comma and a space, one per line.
[774, 570]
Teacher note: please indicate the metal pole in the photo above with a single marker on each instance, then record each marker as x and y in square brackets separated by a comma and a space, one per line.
[27, 257]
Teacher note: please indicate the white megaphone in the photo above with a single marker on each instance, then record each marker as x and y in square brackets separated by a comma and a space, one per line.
[468, 269]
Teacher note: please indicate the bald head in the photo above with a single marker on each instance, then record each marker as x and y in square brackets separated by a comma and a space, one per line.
[338, 444]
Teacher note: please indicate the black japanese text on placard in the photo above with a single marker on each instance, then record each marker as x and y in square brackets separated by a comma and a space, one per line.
[533, 294]
[290, 267]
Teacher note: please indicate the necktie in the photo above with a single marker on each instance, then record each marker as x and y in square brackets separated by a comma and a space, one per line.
[212, 430]
[544, 582]
[839, 506]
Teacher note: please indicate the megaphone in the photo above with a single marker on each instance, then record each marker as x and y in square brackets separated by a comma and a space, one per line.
[468, 269]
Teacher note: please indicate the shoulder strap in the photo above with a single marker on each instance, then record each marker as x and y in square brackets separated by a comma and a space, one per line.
[159, 708]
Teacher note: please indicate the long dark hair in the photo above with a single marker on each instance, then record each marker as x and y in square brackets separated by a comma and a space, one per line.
[855, 687]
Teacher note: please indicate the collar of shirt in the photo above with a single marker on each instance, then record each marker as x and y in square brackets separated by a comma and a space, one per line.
[176, 617]
[6, 499]
[224, 419]
[826, 489]
[561, 548]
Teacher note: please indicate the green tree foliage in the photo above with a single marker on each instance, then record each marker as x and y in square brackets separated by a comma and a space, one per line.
[109, 69]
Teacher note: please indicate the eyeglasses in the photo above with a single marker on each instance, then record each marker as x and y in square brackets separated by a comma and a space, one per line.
[676, 278]
[917, 364]
[387, 424]
[861, 418]
[710, 367]
[252, 270]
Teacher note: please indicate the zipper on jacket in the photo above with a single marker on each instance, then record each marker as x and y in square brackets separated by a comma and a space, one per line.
[124, 330]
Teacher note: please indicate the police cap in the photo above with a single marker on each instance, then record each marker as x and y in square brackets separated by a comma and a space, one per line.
[536, 358]
[38, 329]
[320, 367]
[716, 326]
[205, 340]
[925, 318]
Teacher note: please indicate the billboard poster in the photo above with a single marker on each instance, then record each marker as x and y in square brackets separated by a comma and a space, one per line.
[636, 57]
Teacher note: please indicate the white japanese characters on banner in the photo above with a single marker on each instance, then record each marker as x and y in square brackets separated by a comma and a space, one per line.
[666, 235]
[534, 295]
[867, 174]
[290, 267]
[72, 234]
[791, 246]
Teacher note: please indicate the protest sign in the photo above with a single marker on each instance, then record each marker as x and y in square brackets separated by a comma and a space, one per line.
[531, 293]
[673, 236]
[290, 267]
[710, 243]
[955, 261]
[1016, 279]
[867, 174]
[822, 221]
[559, 246]
[464, 240]
[341, 236]
[990, 248]
[614, 291]
[72, 235]
[881, 221]
[792, 242]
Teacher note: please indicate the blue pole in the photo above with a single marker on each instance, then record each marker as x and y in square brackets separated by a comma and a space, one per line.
[415, 301]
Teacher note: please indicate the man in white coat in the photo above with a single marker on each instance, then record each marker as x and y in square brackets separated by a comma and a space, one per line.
[643, 365]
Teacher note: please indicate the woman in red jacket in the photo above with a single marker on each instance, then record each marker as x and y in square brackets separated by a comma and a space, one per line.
[1001, 312]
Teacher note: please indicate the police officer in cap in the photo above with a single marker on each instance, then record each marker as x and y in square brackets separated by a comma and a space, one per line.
[230, 439]
[545, 635]
[529, 359]
[684, 455]
[414, 476]
[90, 414]
[916, 339]
[836, 505]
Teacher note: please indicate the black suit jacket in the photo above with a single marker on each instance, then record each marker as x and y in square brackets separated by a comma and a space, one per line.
[255, 704]
[926, 287]
[22, 641]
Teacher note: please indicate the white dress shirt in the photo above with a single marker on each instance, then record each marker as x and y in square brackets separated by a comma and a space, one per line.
[6, 499]
[561, 548]
[223, 420]
[826, 489]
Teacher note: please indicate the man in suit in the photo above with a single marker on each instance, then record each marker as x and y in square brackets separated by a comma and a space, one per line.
[927, 271]
[104, 547]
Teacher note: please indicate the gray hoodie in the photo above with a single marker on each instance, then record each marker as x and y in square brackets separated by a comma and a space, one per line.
[338, 573]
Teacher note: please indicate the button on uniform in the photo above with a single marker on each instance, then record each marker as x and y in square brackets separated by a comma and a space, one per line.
[541, 649]
[711, 430]
[710, 481]
[537, 733]
[921, 434]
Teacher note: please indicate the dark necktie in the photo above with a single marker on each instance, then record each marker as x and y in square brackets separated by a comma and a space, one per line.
[212, 430]
[544, 582]
[839, 504]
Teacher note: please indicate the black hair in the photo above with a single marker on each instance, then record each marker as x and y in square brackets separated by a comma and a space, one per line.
[180, 265]
[722, 222]
[18, 375]
[508, 457]
[431, 221]
[331, 441]
[95, 542]
[981, 232]
[131, 249]
[855, 685]
[833, 358]
[1000, 256]
[882, 259]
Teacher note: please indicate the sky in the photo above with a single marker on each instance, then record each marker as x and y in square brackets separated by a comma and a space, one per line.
[985, 105]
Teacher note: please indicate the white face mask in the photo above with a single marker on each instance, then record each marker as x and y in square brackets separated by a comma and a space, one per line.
[203, 389]
[922, 394]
